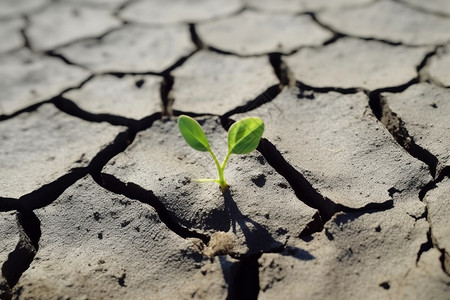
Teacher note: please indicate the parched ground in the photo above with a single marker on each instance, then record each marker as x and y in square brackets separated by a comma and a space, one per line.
[346, 197]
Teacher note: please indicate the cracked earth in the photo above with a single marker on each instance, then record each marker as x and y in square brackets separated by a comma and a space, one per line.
[346, 196]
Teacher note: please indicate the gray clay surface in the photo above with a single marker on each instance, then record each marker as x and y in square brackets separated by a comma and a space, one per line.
[429, 272]
[10, 237]
[133, 97]
[332, 263]
[256, 225]
[47, 144]
[350, 63]
[345, 197]
[225, 82]
[62, 23]
[113, 52]
[440, 7]
[438, 204]
[10, 34]
[296, 6]
[341, 149]
[251, 33]
[90, 232]
[374, 21]
[425, 110]
[439, 65]
[112, 4]
[9, 233]
[14, 8]
[178, 11]
[29, 78]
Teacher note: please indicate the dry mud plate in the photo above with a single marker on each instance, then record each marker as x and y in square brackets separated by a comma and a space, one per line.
[346, 197]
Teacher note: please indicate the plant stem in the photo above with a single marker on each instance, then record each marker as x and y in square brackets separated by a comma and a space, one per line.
[221, 180]
[206, 180]
[225, 160]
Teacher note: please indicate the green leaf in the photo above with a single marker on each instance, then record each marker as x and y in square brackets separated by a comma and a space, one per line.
[244, 135]
[193, 133]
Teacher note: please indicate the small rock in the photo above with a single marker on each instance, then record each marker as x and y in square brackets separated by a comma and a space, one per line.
[221, 243]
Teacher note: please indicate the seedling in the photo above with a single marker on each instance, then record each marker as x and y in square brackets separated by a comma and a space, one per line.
[243, 138]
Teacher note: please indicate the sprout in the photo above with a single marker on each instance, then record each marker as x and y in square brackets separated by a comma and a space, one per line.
[243, 138]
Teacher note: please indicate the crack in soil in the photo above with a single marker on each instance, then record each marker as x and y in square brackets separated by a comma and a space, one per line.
[71, 108]
[445, 257]
[53, 100]
[426, 59]
[397, 128]
[23, 33]
[45, 195]
[97, 38]
[195, 38]
[244, 279]
[179, 62]
[345, 91]
[54, 54]
[20, 259]
[136, 192]
[302, 188]
[244, 274]
[30, 108]
[422, 9]
[282, 70]
[268, 95]
[426, 245]
[307, 194]
[167, 98]
[338, 35]
[48, 193]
